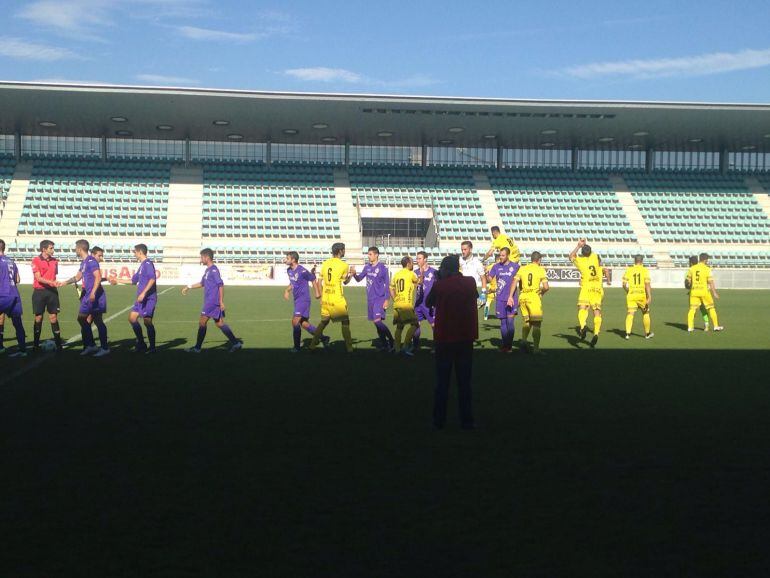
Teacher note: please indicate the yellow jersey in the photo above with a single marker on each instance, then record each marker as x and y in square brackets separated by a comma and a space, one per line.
[505, 241]
[529, 278]
[333, 273]
[699, 276]
[590, 270]
[492, 284]
[636, 277]
[403, 285]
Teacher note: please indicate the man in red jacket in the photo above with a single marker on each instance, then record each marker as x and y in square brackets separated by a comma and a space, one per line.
[457, 327]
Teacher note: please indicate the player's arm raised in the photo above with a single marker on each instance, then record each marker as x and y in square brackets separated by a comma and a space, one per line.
[488, 254]
[573, 254]
[349, 275]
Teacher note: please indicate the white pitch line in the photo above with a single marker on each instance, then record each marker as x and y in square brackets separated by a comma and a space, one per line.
[74, 339]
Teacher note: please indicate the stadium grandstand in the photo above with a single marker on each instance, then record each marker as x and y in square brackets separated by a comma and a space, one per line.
[254, 174]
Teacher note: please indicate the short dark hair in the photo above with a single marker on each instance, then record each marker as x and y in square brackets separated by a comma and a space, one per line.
[703, 257]
[141, 247]
[338, 248]
[293, 255]
[693, 260]
[495, 229]
[373, 250]
[82, 244]
[96, 249]
[586, 250]
[405, 260]
[535, 256]
[208, 253]
[506, 249]
[45, 243]
[2, 245]
[423, 253]
[638, 259]
[467, 243]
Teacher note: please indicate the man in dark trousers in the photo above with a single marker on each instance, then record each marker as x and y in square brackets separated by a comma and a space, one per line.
[457, 327]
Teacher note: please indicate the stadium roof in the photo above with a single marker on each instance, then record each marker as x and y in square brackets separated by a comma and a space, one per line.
[368, 119]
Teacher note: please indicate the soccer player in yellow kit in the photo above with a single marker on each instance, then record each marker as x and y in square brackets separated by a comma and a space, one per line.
[703, 292]
[591, 291]
[703, 312]
[636, 284]
[533, 284]
[334, 274]
[499, 240]
[402, 289]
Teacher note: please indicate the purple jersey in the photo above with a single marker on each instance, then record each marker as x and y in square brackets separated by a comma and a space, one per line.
[211, 282]
[377, 281]
[299, 279]
[144, 275]
[423, 289]
[8, 274]
[504, 275]
[88, 267]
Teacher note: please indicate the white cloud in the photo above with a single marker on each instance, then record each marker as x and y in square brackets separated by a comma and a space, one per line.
[21, 49]
[58, 80]
[165, 80]
[195, 33]
[324, 74]
[700, 65]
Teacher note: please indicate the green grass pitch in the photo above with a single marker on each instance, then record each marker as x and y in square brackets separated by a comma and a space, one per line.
[639, 458]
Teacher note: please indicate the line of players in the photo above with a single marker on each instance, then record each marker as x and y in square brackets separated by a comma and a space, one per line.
[506, 287]
[93, 299]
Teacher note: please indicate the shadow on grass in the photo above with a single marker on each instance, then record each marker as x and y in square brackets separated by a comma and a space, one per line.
[681, 326]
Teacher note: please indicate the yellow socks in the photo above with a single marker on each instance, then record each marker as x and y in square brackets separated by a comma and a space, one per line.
[582, 317]
[397, 338]
[691, 319]
[629, 323]
[713, 315]
[597, 324]
[647, 323]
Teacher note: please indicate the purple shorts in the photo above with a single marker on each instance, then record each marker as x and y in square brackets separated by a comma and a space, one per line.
[98, 306]
[302, 309]
[212, 311]
[502, 311]
[376, 310]
[425, 313]
[11, 306]
[146, 308]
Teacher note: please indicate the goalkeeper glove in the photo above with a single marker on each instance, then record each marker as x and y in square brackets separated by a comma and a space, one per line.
[482, 298]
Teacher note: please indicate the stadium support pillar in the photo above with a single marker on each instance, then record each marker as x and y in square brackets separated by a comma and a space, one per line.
[103, 145]
[499, 163]
[268, 153]
[17, 146]
[724, 161]
[347, 155]
[424, 156]
[187, 152]
[649, 161]
[575, 158]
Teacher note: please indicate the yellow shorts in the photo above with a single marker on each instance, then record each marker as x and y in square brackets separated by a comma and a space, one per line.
[636, 302]
[404, 316]
[531, 308]
[334, 310]
[591, 297]
[706, 300]
[491, 299]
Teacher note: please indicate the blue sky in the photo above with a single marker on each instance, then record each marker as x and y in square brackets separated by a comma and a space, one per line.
[653, 50]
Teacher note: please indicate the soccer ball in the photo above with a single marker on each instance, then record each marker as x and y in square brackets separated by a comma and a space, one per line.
[48, 345]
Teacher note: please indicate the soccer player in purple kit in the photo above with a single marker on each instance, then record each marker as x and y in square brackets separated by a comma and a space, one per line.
[213, 303]
[377, 284]
[427, 276]
[299, 277]
[10, 300]
[506, 300]
[93, 300]
[146, 299]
